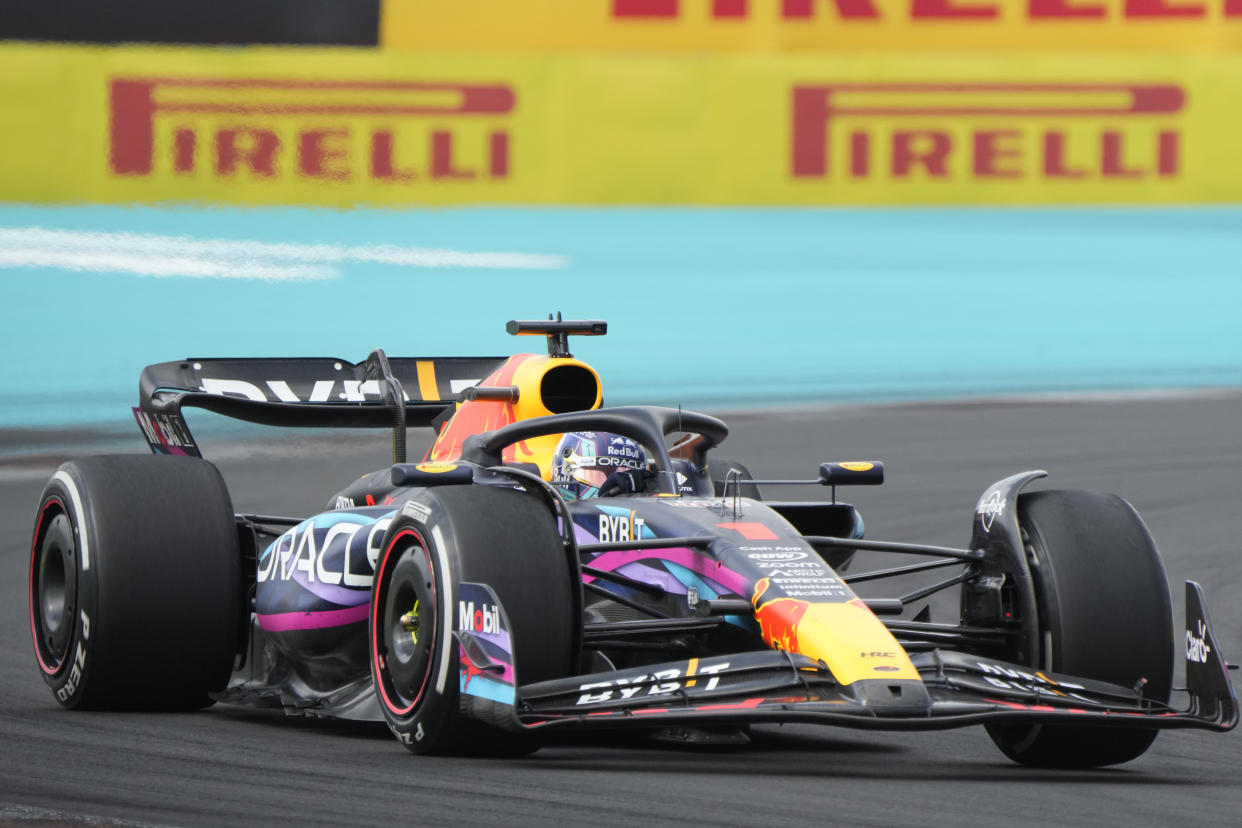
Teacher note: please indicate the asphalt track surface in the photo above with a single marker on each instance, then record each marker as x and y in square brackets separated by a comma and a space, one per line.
[1179, 460]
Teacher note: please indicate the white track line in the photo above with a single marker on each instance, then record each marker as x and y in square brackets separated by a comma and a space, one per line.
[140, 264]
[165, 256]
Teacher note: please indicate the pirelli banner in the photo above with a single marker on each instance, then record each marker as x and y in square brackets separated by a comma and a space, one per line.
[814, 26]
[341, 128]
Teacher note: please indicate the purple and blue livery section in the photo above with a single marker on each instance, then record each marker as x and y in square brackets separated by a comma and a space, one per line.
[318, 574]
[675, 570]
[485, 646]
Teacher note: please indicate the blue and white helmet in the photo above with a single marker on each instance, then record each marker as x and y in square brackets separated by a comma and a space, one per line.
[585, 459]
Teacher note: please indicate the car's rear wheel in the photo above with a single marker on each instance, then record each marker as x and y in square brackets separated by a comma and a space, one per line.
[1104, 613]
[446, 541]
[135, 583]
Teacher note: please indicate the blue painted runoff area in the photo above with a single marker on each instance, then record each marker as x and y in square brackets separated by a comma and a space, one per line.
[707, 308]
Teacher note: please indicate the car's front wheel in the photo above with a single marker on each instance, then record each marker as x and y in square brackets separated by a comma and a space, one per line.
[449, 546]
[1104, 613]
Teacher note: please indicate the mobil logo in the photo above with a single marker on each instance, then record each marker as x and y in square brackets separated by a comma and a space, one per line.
[478, 618]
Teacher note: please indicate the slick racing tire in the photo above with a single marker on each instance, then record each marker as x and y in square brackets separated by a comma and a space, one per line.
[505, 539]
[135, 583]
[719, 471]
[1104, 613]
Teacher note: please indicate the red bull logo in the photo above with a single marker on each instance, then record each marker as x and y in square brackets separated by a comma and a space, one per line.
[845, 635]
[778, 618]
[477, 416]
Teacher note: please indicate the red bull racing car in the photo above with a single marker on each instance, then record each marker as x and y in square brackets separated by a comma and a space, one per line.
[551, 564]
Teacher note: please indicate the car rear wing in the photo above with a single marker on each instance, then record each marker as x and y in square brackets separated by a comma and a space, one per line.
[315, 392]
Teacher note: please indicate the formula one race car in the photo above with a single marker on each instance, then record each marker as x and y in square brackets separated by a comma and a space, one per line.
[551, 564]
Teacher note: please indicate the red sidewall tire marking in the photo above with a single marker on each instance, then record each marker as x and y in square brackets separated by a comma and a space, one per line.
[375, 626]
[49, 670]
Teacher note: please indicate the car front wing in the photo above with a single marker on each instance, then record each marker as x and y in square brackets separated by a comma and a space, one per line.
[955, 690]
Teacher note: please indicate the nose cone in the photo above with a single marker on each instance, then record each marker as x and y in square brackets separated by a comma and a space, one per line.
[844, 634]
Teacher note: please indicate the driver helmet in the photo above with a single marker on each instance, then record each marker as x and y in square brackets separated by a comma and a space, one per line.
[584, 460]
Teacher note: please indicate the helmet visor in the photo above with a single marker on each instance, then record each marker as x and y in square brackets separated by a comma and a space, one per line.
[590, 476]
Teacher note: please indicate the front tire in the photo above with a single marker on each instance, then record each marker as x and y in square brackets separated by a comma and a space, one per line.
[135, 583]
[504, 538]
[1104, 613]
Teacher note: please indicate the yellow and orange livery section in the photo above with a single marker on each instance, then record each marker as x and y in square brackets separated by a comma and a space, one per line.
[545, 385]
[845, 635]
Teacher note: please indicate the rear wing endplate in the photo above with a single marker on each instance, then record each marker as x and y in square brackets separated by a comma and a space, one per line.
[317, 392]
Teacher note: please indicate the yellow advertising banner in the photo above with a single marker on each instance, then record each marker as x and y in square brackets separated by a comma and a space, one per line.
[340, 128]
[815, 26]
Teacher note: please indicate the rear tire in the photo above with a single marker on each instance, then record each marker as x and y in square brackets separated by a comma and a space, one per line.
[504, 538]
[135, 583]
[1104, 613]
